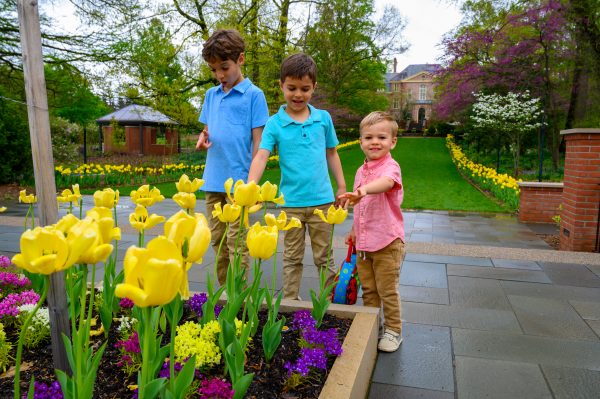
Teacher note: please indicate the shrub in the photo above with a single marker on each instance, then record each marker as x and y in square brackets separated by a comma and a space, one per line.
[5, 348]
[39, 327]
[66, 137]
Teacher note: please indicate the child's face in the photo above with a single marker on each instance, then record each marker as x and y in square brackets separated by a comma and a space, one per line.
[376, 140]
[297, 92]
[228, 72]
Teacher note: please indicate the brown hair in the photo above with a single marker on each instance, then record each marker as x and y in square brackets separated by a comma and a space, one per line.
[380, 116]
[297, 66]
[223, 45]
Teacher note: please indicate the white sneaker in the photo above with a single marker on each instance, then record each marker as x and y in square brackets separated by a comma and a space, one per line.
[390, 341]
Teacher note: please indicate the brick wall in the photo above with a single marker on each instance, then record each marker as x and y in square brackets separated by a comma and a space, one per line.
[581, 194]
[539, 202]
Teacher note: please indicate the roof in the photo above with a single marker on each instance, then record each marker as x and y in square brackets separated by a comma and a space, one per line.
[135, 113]
[409, 71]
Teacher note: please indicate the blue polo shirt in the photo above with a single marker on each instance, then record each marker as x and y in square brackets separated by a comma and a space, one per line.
[302, 156]
[230, 118]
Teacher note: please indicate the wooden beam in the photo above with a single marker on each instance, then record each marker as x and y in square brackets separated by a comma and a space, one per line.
[43, 163]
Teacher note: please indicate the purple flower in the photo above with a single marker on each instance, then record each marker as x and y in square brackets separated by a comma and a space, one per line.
[165, 371]
[326, 339]
[130, 345]
[309, 357]
[218, 309]
[215, 388]
[7, 278]
[51, 391]
[9, 306]
[126, 303]
[196, 302]
[302, 320]
[4, 261]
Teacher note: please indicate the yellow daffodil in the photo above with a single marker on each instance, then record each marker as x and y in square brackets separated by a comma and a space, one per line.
[185, 200]
[106, 198]
[27, 199]
[185, 185]
[334, 215]
[268, 191]
[153, 275]
[140, 220]
[145, 196]
[281, 221]
[230, 212]
[262, 241]
[70, 196]
[2, 209]
[45, 250]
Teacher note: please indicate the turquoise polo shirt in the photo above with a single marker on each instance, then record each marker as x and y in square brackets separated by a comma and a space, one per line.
[230, 118]
[302, 155]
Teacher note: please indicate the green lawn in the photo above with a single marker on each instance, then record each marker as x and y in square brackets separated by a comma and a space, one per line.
[430, 179]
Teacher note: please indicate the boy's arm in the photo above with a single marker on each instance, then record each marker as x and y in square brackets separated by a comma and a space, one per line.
[258, 165]
[256, 136]
[379, 185]
[335, 165]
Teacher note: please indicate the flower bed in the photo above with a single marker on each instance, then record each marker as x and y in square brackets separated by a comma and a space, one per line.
[502, 186]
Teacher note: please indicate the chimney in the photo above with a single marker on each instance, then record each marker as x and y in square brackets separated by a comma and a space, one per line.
[395, 64]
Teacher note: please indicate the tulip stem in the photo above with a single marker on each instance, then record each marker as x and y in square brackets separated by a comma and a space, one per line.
[274, 270]
[24, 327]
[148, 326]
[328, 256]
[219, 250]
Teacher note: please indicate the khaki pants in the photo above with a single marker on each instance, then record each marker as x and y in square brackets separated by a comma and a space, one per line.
[294, 243]
[217, 229]
[379, 274]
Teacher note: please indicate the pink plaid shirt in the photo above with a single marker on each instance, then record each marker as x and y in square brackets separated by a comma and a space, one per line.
[378, 218]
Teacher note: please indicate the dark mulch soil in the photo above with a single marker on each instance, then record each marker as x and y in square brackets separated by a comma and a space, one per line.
[552, 240]
[112, 383]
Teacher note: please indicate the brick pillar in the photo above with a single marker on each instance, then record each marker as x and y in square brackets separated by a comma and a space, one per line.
[581, 194]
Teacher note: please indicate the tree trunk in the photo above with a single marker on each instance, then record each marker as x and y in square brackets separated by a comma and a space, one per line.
[253, 47]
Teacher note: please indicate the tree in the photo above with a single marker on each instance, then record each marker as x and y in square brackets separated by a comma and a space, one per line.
[514, 115]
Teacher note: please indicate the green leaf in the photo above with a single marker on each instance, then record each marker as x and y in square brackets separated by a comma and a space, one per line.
[153, 388]
[241, 386]
[185, 377]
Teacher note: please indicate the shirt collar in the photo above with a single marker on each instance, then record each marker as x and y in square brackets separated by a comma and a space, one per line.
[287, 120]
[378, 162]
[240, 87]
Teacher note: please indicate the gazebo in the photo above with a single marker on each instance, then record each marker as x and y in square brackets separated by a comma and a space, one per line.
[138, 129]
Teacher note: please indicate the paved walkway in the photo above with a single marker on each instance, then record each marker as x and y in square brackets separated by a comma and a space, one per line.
[489, 310]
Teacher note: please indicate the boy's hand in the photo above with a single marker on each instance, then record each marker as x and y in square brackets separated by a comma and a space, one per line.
[203, 144]
[350, 238]
[340, 200]
[355, 196]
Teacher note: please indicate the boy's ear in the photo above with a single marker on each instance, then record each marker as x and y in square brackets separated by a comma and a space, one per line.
[241, 59]
[394, 142]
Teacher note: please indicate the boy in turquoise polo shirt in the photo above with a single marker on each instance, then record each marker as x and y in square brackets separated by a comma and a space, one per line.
[234, 114]
[306, 140]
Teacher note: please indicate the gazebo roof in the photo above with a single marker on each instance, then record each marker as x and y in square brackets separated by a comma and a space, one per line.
[135, 113]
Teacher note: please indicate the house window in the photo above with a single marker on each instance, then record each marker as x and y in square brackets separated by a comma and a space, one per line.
[422, 92]
[396, 87]
[396, 103]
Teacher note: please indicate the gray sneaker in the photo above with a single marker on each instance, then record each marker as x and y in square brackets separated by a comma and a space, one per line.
[390, 341]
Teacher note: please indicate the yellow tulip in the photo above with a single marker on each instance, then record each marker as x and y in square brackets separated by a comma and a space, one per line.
[153, 275]
[230, 212]
[190, 234]
[27, 199]
[106, 198]
[185, 185]
[106, 223]
[334, 215]
[96, 251]
[262, 241]
[268, 191]
[65, 223]
[281, 220]
[2, 209]
[244, 194]
[70, 196]
[185, 200]
[140, 220]
[45, 250]
[146, 197]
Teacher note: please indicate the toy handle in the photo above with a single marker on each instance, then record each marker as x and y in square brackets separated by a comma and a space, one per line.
[351, 250]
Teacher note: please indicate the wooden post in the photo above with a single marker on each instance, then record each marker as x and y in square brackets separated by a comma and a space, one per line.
[43, 164]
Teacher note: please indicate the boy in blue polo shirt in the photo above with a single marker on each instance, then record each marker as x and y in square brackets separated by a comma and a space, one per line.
[234, 114]
[306, 140]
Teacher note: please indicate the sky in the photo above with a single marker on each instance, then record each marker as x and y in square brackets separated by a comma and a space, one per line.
[427, 22]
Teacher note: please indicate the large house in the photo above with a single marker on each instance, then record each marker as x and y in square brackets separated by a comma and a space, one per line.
[411, 95]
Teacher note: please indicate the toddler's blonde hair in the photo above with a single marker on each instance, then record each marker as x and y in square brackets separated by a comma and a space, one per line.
[379, 116]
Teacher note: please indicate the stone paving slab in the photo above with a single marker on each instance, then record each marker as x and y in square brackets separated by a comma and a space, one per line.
[422, 274]
[462, 260]
[550, 291]
[411, 293]
[497, 273]
[568, 274]
[587, 310]
[499, 379]
[456, 316]
[516, 264]
[594, 325]
[594, 269]
[570, 383]
[424, 360]
[386, 391]
[469, 292]
[526, 348]
[549, 317]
